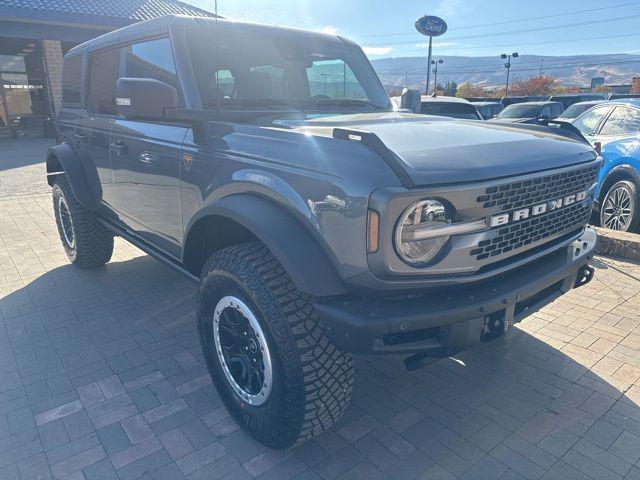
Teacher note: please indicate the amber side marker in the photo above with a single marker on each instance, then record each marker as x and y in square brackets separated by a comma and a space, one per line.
[373, 226]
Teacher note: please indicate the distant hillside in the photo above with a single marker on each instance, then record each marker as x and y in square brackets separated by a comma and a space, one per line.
[570, 70]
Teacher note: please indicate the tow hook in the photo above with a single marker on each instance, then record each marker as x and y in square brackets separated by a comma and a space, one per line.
[585, 275]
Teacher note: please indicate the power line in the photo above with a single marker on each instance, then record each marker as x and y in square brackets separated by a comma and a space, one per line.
[519, 20]
[529, 30]
[602, 37]
[519, 69]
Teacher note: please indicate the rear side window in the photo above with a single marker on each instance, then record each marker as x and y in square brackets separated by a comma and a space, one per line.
[102, 81]
[72, 81]
[623, 121]
[152, 59]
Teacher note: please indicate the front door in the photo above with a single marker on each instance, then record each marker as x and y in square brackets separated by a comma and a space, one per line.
[146, 156]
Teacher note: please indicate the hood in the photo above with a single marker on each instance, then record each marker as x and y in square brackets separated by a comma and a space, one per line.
[439, 150]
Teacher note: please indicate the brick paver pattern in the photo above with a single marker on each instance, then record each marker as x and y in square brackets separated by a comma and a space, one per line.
[101, 377]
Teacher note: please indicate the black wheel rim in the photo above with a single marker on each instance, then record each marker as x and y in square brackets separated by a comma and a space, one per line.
[617, 210]
[243, 351]
[65, 222]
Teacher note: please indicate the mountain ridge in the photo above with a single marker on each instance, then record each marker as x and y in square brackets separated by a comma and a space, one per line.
[570, 70]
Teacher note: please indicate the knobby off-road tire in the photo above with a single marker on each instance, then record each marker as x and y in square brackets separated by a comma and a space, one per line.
[620, 209]
[87, 243]
[310, 379]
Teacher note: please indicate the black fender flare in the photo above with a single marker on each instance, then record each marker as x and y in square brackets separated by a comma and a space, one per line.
[293, 245]
[62, 159]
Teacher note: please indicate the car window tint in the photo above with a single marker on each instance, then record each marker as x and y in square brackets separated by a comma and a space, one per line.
[445, 109]
[545, 111]
[72, 81]
[333, 79]
[556, 111]
[623, 121]
[589, 120]
[102, 84]
[153, 59]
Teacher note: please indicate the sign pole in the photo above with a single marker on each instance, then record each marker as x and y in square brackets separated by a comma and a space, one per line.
[430, 26]
[428, 67]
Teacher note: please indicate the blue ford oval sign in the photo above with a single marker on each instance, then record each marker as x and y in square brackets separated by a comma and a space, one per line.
[431, 26]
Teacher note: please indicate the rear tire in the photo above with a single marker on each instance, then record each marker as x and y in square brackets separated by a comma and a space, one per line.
[303, 382]
[620, 208]
[87, 243]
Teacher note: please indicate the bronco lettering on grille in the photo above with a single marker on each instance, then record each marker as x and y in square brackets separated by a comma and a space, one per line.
[521, 214]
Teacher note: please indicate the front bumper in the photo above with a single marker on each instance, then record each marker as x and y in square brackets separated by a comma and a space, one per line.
[442, 322]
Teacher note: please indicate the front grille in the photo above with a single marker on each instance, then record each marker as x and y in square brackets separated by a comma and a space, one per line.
[511, 196]
[526, 232]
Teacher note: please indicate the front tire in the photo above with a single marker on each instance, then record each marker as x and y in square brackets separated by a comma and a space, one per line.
[619, 210]
[87, 243]
[273, 365]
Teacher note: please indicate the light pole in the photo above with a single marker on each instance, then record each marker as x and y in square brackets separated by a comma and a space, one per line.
[435, 74]
[507, 65]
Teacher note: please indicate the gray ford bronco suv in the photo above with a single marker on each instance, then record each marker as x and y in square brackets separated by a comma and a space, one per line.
[268, 165]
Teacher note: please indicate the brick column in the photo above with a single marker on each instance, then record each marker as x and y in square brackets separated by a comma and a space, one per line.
[52, 53]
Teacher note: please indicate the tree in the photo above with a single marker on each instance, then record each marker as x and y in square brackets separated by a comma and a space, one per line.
[534, 86]
[468, 89]
[450, 89]
[635, 85]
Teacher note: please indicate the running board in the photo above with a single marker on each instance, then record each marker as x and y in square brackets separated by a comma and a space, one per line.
[149, 250]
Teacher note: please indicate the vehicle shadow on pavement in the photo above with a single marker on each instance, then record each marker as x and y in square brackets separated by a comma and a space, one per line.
[101, 372]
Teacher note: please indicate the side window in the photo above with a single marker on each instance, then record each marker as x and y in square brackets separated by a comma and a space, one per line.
[152, 59]
[103, 74]
[545, 111]
[556, 110]
[588, 121]
[335, 80]
[72, 81]
[623, 121]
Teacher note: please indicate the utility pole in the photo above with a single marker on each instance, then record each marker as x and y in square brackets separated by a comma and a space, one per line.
[507, 65]
[426, 90]
[541, 63]
[435, 74]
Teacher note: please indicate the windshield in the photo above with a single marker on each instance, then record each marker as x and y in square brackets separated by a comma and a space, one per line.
[455, 110]
[575, 110]
[285, 70]
[520, 111]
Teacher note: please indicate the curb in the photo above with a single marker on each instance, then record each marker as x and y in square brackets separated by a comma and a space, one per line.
[612, 243]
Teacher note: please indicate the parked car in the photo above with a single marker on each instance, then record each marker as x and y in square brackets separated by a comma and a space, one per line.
[614, 128]
[446, 107]
[488, 109]
[577, 109]
[529, 112]
[619, 96]
[571, 98]
[506, 101]
[267, 165]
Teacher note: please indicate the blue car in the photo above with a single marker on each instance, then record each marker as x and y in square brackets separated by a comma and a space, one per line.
[614, 127]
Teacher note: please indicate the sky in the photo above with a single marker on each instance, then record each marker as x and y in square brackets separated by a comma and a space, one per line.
[476, 27]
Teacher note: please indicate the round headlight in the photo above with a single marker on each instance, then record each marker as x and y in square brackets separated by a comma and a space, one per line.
[416, 236]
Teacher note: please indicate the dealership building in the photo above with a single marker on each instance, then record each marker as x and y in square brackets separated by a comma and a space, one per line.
[35, 34]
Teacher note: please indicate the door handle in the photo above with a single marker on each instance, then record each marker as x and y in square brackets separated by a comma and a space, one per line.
[119, 148]
[80, 138]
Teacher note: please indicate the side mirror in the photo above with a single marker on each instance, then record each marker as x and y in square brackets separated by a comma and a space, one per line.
[543, 117]
[144, 98]
[410, 100]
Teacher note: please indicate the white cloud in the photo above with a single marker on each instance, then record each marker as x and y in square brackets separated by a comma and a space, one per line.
[329, 29]
[377, 51]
